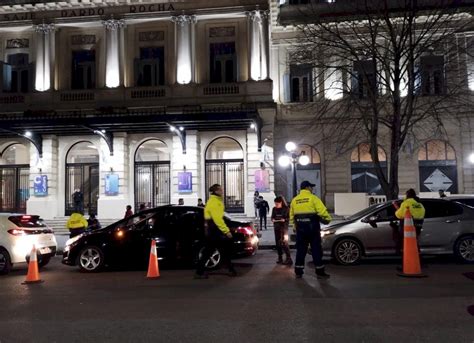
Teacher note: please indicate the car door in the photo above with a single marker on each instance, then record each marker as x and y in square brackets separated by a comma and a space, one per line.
[189, 233]
[443, 219]
[378, 232]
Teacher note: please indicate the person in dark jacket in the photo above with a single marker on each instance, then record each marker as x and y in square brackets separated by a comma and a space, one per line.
[128, 211]
[78, 200]
[263, 210]
[280, 218]
[93, 222]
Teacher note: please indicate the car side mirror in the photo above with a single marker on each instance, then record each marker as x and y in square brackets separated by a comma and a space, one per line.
[372, 220]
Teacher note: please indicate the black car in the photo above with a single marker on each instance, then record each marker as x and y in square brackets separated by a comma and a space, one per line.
[177, 230]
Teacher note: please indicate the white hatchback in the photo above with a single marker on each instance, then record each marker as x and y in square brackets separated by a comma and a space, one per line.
[18, 233]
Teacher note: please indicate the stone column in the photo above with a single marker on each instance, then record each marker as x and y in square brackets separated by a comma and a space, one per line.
[45, 205]
[184, 38]
[44, 56]
[259, 44]
[113, 33]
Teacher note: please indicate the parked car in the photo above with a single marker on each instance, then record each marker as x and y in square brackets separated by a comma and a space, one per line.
[18, 233]
[177, 230]
[448, 229]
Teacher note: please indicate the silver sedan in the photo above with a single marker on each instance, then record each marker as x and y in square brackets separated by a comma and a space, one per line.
[448, 229]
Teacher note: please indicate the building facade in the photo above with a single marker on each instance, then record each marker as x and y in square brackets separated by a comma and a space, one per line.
[429, 161]
[134, 102]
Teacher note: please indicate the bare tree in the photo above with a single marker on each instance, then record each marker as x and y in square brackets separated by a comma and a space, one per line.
[385, 67]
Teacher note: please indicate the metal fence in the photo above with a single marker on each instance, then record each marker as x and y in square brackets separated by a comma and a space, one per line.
[83, 176]
[229, 174]
[152, 184]
[14, 188]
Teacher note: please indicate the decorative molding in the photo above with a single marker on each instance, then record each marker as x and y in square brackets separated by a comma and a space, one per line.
[182, 20]
[225, 31]
[82, 39]
[18, 43]
[44, 28]
[151, 36]
[258, 15]
[113, 24]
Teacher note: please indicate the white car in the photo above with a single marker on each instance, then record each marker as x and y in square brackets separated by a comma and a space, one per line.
[18, 233]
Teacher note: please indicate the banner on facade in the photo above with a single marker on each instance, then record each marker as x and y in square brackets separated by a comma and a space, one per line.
[185, 182]
[41, 185]
[262, 180]
[111, 184]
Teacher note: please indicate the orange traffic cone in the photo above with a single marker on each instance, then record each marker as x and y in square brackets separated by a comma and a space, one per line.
[411, 257]
[33, 273]
[153, 270]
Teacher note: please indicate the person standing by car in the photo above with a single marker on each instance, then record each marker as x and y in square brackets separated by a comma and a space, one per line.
[306, 213]
[280, 218]
[218, 235]
[200, 203]
[441, 193]
[128, 211]
[263, 210]
[417, 211]
[76, 224]
[93, 222]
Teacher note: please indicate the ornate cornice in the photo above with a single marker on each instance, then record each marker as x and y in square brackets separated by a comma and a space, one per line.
[44, 28]
[113, 24]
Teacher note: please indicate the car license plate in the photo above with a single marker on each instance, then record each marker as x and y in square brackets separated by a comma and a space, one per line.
[45, 251]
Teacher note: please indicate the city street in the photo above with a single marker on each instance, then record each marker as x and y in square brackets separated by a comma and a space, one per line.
[366, 303]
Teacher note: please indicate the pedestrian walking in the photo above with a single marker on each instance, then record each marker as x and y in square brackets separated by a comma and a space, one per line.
[76, 224]
[306, 213]
[280, 218]
[78, 201]
[417, 211]
[200, 203]
[256, 199]
[93, 223]
[263, 210]
[128, 211]
[217, 234]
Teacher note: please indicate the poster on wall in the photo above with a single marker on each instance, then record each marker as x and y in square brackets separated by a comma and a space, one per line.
[185, 182]
[41, 185]
[111, 184]
[262, 180]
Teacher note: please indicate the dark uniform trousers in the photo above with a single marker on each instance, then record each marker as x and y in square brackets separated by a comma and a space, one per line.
[308, 231]
[215, 239]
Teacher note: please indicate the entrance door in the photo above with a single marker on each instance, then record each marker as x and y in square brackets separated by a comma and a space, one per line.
[14, 178]
[152, 174]
[82, 173]
[225, 166]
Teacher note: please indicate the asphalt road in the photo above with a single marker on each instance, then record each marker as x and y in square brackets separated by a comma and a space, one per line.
[366, 303]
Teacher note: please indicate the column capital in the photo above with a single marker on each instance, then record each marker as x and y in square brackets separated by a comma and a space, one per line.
[44, 28]
[113, 24]
[258, 15]
[184, 19]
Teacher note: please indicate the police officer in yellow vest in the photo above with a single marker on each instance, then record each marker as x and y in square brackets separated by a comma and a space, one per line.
[76, 224]
[218, 235]
[417, 211]
[306, 213]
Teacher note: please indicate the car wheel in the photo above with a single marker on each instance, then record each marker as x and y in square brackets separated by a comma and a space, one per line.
[5, 262]
[44, 261]
[464, 249]
[214, 260]
[90, 259]
[347, 251]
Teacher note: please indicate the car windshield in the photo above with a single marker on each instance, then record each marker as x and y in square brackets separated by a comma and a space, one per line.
[365, 211]
[27, 221]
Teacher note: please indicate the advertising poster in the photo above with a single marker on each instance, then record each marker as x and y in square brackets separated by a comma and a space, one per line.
[262, 180]
[185, 182]
[41, 185]
[111, 184]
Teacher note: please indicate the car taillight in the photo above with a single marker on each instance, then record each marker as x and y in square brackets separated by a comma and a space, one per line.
[17, 232]
[245, 230]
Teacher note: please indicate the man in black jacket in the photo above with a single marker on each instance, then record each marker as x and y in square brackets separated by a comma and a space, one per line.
[263, 210]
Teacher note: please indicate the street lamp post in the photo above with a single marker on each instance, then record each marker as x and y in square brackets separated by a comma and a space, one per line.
[293, 158]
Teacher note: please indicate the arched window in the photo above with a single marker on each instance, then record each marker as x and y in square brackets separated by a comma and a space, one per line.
[82, 174]
[14, 178]
[225, 166]
[363, 175]
[437, 167]
[152, 174]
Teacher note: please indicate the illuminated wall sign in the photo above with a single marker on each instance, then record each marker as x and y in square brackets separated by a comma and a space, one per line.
[88, 12]
[185, 182]
[40, 186]
[111, 184]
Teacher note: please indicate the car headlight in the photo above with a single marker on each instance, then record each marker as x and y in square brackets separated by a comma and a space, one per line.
[325, 233]
[73, 239]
